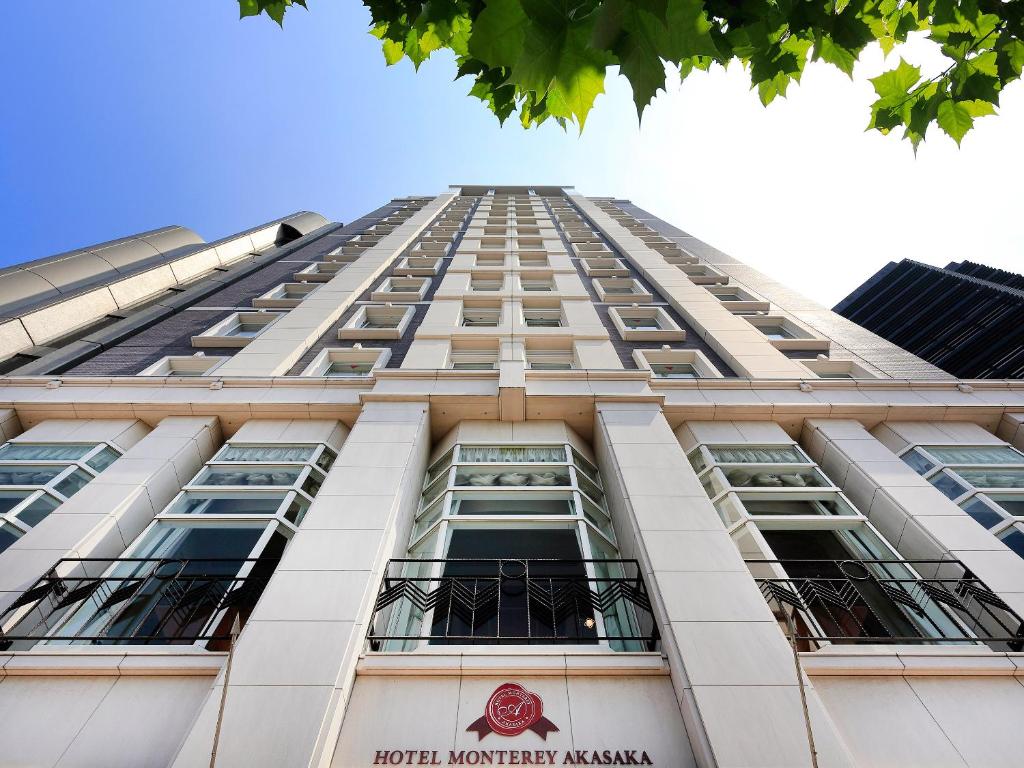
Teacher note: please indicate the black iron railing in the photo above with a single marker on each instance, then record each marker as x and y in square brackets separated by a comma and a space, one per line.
[513, 602]
[886, 601]
[135, 601]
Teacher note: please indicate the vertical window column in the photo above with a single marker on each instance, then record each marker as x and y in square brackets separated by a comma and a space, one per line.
[120, 478]
[317, 603]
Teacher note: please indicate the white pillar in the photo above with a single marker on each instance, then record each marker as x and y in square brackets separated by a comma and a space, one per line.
[103, 518]
[294, 665]
[914, 516]
[731, 665]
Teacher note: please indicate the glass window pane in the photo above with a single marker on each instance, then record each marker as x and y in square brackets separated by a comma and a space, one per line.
[982, 454]
[296, 510]
[982, 512]
[326, 459]
[39, 509]
[265, 453]
[103, 459]
[51, 452]
[202, 543]
[775, 454]
[312, 484]
[775, 478]
[10, 499]
[440, 466]
[1014, 540]
[481, 454]
[796, 507]
[917, 462]
[342, 369]
[673, 370]
[514, 477]
[584, 466]
[8, 535]
[25, 474]
[73, 483]
[469, 505]
[949, 486]
[212, 504]
[1013, 504]
[248, 476]
[993, 478]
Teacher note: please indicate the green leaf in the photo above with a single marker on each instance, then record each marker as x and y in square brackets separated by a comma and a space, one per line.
[955, 119]
[393, 52]
[547, 58]
[498, 33]
[836, 55]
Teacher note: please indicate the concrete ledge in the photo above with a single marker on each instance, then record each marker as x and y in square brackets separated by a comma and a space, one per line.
[125, 661]
[525, 662]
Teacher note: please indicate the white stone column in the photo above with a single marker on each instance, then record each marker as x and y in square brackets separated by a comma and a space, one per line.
[103, 518]
[732, 667]
[1011, 429]
[10, 424]
[914, 516]
[294, 664]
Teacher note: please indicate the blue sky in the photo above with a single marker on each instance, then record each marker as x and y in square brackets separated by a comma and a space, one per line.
[126, 115]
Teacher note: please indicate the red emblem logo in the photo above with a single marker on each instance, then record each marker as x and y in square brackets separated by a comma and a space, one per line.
[510, 710]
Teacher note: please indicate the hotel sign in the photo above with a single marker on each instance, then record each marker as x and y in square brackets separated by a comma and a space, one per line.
[510, 711]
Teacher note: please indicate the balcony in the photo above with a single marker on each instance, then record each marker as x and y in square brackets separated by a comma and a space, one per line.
[894, 602]
[513, 602]
[136, 601]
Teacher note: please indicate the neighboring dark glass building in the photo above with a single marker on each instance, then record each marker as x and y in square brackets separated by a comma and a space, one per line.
[965, 319]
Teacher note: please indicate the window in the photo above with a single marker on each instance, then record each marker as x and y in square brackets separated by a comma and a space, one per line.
[284, 296]
[645, 324]
[548, 360]
[536, 284]
[236, 330]
[36, 478]
[776, 332]
[785, 334]
[702, 274]
[542, 318]
[319, 272]
[377, 322]
[419, 266]
[534, 513]
[824, 368]
[673, 371]
[665, 364]
[604, 267]
[738, 300]
[401, 289]
[482, 283]
[533, 259]
[481, 316]
[464, 362]
[347, 362]
[802, 538]
[207, 557]
[179, 365]
[490, 260]
[621, 289]
[986, 481]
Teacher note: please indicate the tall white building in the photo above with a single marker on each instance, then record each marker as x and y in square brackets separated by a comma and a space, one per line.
[502, 476]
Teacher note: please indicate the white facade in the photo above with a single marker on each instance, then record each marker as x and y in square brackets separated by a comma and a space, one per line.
[524, 480]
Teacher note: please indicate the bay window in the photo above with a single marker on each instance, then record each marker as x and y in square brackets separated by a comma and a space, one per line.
[512, 544]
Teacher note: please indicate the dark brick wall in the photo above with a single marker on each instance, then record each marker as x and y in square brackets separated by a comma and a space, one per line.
[399, 347]
[172, 335]
[623, 348]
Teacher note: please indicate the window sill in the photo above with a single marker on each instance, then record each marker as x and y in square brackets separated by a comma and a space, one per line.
[911, 660]
[501, 661]
[128, 660]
